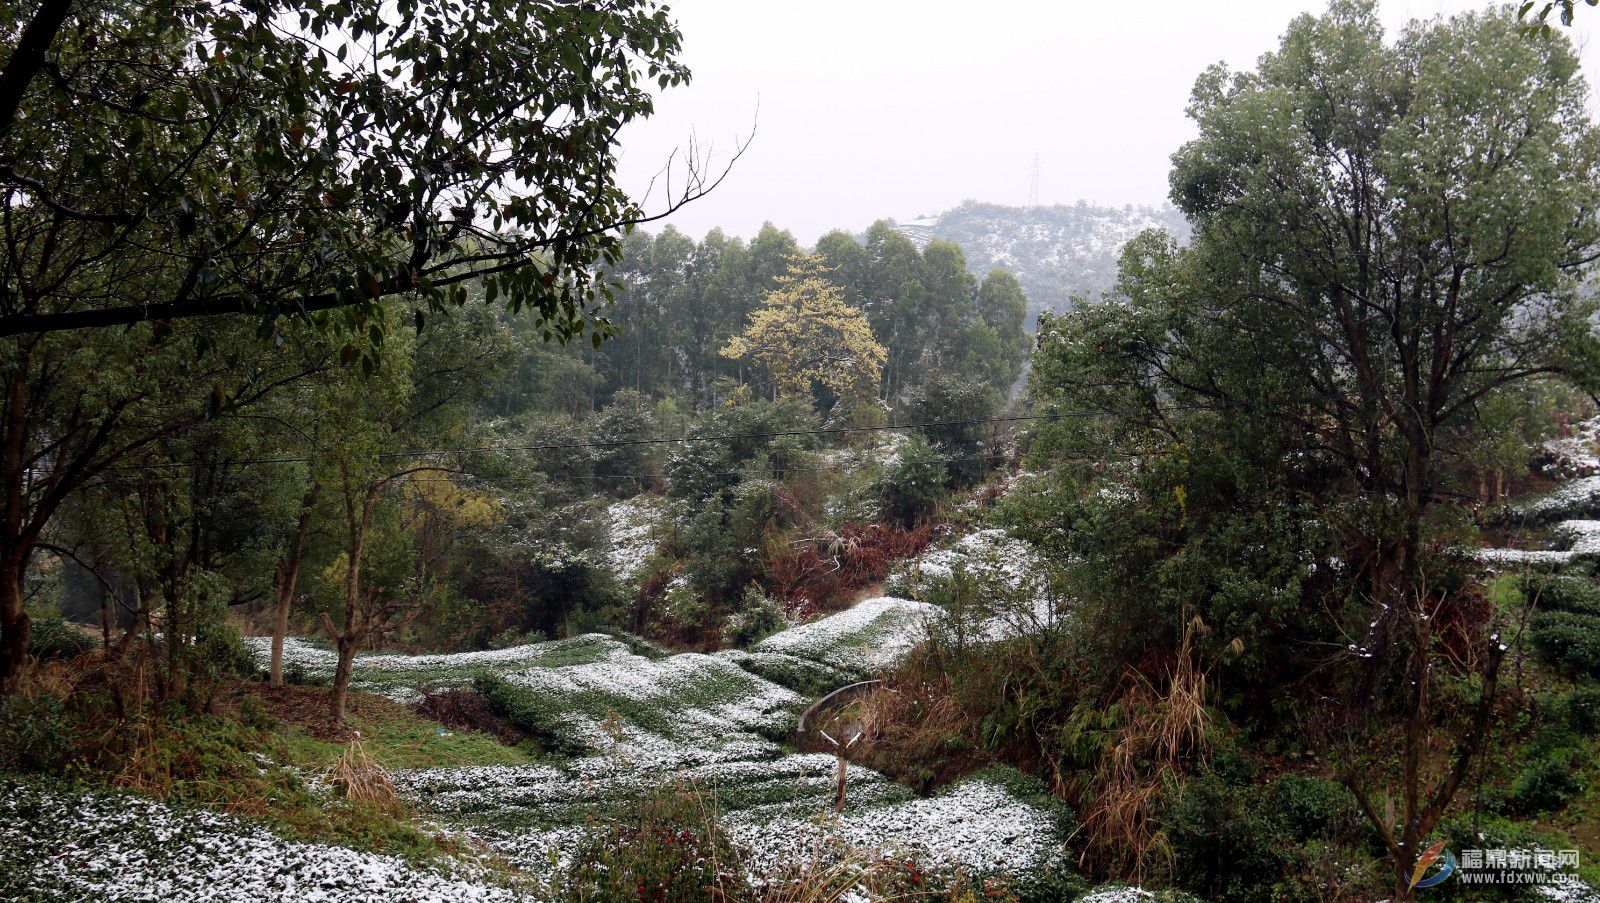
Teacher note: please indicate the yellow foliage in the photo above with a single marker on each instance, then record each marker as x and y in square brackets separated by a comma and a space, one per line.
[804, 335]
[456, 505]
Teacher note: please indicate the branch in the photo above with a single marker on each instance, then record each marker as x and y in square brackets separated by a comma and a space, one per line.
[27, 60]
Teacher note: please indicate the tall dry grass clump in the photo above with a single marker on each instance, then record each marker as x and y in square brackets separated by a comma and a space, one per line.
[1162, 732]
[359, 778]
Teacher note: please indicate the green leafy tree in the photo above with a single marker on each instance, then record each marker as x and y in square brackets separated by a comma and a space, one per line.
[1385, 238]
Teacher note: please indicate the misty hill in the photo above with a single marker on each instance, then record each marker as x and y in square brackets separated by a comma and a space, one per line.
[1055, 252]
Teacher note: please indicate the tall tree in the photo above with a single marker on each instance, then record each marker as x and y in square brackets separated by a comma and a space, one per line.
[1385, 239]
[808, 340]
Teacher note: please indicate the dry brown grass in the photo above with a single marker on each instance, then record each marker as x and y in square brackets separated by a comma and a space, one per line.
[359, 778]
[832, 872]
[916, 730]
[1162, 732]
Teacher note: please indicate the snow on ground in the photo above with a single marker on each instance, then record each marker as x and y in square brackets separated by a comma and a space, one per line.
[73, 845]
[1015, 598]
[873, 635]
[406, 677]
[974, 828]
[631, 526]
[536, 815]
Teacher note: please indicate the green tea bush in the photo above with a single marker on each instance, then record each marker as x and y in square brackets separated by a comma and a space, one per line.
[1234, 840]
[663, 847]
[1568, 641]
[1581, 709]
[1564, 592]
[1548, 783]
[529, 712]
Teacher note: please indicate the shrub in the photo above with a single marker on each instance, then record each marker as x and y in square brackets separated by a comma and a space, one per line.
[946, 399]
[1235, 840]
[1548, 783]
[35, 734]
[1568, 641]
[664, 846]
[756, 618]
[1564, 592]
[1581, 709]
[912, 487]
[528, 712]
[53, 637]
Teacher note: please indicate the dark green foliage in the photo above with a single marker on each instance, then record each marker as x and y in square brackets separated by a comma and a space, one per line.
[1548, 782]
[680, 302]
[621, 464]
[915, 484]
[36, 734]
[968, 446]
[303, 148]
[529, 712]
[1569, 641]
[700, 470]
[1238, 841]
[1581, 709]
[1564, 592]
[53, 637]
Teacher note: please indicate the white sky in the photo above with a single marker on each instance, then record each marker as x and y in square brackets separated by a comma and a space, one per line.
[877, 108]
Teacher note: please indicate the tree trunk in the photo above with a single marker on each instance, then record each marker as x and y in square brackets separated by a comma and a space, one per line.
[354, 625]
[288, 577]
[341, 677]
[14, 626]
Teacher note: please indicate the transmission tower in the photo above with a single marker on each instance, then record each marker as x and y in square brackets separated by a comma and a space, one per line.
[1033, 185]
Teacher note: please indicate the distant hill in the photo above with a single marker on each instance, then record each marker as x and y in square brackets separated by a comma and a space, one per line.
[1055, 252]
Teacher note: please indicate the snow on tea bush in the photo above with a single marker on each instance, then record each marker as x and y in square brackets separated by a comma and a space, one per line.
[1576, 498]
[406, 677]
[75, 845]
[1513, 558]
[1584, 536]
[686, 709]
[974, 828]
[873, 635]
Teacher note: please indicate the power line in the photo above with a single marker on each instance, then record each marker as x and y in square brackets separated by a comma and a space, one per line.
[769, 472]
[624, 443]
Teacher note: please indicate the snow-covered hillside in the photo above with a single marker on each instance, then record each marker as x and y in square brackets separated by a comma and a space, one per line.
[1055, 252]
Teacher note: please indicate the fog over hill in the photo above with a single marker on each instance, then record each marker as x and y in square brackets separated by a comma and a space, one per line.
[1057, 253]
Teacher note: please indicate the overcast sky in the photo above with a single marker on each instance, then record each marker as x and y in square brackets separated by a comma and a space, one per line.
[890, 108]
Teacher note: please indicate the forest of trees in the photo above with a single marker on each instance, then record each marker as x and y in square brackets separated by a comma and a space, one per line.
[681, 301]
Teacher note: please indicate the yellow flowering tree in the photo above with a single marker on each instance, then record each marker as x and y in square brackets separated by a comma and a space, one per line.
[807, 338]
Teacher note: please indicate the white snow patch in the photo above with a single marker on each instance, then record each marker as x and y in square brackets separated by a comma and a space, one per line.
[873, 635]
[127, 847]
